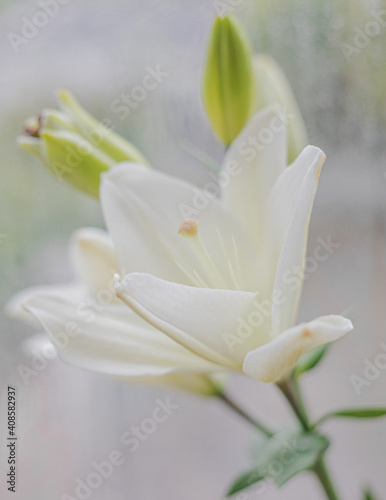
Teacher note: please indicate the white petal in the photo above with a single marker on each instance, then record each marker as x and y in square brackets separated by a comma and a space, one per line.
[215, 324]
[196, 383]
[277, 358]
[39, 343]
[143, 210]
[94, 259]
[111, 339]
[286, 230]
[260, 153]
[15, 306]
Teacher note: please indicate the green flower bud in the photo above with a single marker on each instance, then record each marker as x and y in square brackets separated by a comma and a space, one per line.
[74, 146]
[105, 139]
[228, 92]
[272, 87]
[32, 145]
[52, 119]
[70, 157]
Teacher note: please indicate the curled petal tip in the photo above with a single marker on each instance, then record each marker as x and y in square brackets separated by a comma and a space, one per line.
[117, 283]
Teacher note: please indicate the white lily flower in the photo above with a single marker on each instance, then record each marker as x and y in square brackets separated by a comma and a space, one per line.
[206, 279]
[87, 323]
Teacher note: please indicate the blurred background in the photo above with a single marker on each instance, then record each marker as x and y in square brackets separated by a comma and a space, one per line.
[333, 53]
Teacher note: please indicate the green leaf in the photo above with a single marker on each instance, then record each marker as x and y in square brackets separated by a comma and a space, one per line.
[362, 413]
[368, 495]
[356, 413]
[281, 457]
[245, 480]
[310, 360]
[308, 448]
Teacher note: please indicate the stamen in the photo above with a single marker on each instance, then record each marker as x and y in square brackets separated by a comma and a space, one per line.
[200, 280]
[195, 278]
[188, 228]
[237, 255]
[233, 276]
[232, 273]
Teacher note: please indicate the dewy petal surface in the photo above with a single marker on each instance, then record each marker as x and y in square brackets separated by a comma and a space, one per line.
[110, 339]
[143, 211]
[260, 152]
[275, 360]
[201, 320]
[288, 215]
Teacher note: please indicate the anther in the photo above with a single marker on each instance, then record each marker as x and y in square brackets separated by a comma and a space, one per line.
[188, 228]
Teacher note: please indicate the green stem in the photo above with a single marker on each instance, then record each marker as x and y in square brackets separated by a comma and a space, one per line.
[242, 413]
[292, 396]
[323, 475]
[291, 391]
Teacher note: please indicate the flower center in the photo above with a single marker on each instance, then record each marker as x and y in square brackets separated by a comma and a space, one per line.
[211, 277]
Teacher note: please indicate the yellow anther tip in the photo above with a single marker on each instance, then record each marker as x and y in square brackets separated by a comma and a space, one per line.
[188, 228]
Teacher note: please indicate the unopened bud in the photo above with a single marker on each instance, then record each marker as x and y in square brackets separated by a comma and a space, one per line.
[75, 146]
[273, 87]
[228, 92]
